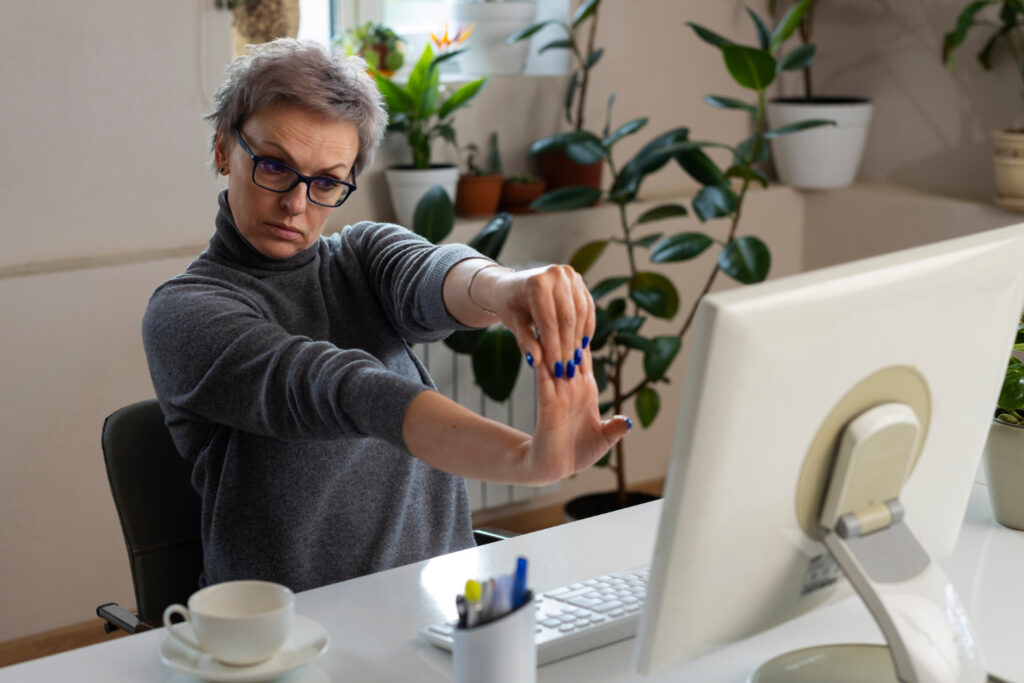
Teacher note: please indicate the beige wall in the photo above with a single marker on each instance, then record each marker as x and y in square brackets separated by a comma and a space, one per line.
[106, 97]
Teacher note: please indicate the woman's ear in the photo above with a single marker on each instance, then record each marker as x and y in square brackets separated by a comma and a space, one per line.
[220, 154]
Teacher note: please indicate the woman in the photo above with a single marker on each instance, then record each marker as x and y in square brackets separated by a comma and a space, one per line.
[281, 357]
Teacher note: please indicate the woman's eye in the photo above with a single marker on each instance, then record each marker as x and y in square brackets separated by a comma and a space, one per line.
[271, 167]
[323, 184]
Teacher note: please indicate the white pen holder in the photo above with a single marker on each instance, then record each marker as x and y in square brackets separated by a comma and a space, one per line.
[501, 651]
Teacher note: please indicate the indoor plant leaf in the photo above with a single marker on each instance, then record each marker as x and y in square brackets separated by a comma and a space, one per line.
[584, 11]
[800, 58]
[714, 201]
[681, 247]
[747, 173]
[607, 286]
[585, 149]
[567, 198]
[464, 341]
[1011, 395]
[654, 293]
[647, 240]
[745, 151]
[723, 102]
[647, 405]
[632, 340]
[661, 212]
[490, 240]
[746, 259]
[586, 255]
[396, 97]
[528, 31]
[570, 95]
[625, 129]
[789, 23]
[955, 38]
[709, 36]
[659, 356]
[496, 362]
[461, 97]
[561, 44]
[418, 77]
[751, 68]
[593, 58]
[650, 158]
[764, 36]
[798, 126]
[434, 217]
[699, 165]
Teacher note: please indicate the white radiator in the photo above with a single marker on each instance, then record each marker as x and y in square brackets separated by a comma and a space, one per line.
[453, 374]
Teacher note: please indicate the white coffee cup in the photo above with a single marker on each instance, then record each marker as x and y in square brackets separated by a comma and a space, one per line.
[237, 622]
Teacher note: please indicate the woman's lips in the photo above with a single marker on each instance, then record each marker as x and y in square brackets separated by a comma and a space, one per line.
[284, 231]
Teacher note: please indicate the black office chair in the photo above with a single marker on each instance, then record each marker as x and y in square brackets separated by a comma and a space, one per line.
[160, 515]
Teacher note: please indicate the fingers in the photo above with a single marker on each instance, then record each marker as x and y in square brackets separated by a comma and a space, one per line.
[560, 318]
[615, 428]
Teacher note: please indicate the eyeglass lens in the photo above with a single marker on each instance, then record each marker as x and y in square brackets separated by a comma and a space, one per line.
[277, 177]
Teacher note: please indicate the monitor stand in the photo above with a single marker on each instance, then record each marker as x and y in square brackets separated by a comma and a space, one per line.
[918, 610]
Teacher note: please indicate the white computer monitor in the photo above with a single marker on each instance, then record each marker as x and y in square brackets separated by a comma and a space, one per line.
[776, 371]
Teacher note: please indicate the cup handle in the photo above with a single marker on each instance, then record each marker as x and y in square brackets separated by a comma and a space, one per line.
[183, 611]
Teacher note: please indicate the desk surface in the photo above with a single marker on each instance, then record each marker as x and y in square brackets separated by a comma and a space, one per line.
[373, 620]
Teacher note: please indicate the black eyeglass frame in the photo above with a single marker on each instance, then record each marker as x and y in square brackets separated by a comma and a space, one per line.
[299, 178]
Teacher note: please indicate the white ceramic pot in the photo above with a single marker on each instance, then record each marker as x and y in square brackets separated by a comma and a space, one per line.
[1004, 473]
[408, 185]
[1008, 163]
[823, 158]
[493, 22]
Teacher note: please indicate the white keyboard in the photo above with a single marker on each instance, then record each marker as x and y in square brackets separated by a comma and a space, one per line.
[578, 617]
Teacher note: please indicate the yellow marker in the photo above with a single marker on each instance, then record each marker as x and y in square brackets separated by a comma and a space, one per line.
[472, 591]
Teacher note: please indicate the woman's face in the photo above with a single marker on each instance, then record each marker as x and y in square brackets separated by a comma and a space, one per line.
[280, 225]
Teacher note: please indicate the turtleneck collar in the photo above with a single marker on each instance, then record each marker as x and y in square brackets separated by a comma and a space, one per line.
[229, 244]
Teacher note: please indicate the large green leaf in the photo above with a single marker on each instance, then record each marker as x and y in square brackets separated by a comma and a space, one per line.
[681, 247]
[798, 126]
[955, 38]
[397, 99]
[647, 405]
[622, 131]
[746, 259]
[764, 36]
[419, 77]
[584, 11]
[567, 198]
[700, 167]
[491, 239]
[585, 149]
[751, 68]
[661, 212]
[586, 255]
[607, 286]
[649, 159]
[714, 201]
[434, 217]
[560, 44]
[723, 102]
[800, 58]
[461, 97]
[654, 293]
[659, 356]
[496, 362]
[1011, 396]
[601, 374]
[747, 173]
[789, 23]
[528, 31]
[464, 341]
[709, 36]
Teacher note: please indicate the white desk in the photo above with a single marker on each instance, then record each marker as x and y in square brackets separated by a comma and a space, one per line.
[373, 620]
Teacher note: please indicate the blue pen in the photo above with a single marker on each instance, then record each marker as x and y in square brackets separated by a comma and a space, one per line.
[519, 585]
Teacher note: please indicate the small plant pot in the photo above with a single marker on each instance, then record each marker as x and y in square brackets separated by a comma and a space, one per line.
[558, 170]
[517, 197]
[594, 504]
[1008, 165]
[478, 195]
[408, 185]
[1004, 473]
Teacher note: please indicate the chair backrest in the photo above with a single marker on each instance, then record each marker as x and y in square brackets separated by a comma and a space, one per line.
[158, 508]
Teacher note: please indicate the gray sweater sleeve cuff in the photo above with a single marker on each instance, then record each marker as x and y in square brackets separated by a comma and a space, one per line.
[385, 400]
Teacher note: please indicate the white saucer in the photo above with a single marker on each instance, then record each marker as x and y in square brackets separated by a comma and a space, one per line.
[1010, 203]
[307, 641]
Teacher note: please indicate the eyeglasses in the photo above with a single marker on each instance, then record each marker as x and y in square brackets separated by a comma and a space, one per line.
[273, 175]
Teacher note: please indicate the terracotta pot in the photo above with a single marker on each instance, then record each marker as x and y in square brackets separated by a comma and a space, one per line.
[558, 170]
[1004, 473]
[517, 197]
[478, 195]
[594, 504]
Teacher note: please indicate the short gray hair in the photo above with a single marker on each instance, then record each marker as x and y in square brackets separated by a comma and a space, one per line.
[306, 74]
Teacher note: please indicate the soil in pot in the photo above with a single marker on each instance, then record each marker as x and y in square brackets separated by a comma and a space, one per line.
[558, 170]
[594, 504]
[517, 197]
[478, 195]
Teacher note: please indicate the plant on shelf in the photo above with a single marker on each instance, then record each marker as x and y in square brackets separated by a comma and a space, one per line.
[575, 157]
[1010, 407]
[421, 112]
[627, 301]
[1005, 33]
[377, 44]
[825, 158]
[479, 189]
[259, 21]
[519, 192]
[1004, 451]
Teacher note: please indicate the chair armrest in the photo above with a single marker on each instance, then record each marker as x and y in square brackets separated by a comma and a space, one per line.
[118, 617]
[490, 534]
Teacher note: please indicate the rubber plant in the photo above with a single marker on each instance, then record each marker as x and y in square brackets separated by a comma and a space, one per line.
[626, 302]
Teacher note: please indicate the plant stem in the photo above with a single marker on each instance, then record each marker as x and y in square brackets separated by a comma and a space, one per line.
[585, 80]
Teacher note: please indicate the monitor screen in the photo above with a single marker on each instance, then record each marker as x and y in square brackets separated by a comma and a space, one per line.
[776, 370]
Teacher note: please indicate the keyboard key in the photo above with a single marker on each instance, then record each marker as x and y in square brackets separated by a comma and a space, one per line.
[608, 606]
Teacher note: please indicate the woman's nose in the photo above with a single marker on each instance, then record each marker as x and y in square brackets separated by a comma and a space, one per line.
[294, 200]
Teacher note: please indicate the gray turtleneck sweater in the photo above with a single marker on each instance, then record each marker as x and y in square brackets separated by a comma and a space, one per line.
[285, 382]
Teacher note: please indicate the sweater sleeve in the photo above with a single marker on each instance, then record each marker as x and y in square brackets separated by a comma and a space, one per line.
[407, 274]
[215, 358]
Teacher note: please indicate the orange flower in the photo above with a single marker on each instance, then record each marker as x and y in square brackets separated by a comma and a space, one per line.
[445, 43]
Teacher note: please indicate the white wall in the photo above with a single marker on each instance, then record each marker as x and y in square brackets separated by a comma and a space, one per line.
[104, 100]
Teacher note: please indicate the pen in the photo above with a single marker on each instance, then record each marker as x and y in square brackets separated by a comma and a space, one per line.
[460, 605]
[473, 608]
[519, 585]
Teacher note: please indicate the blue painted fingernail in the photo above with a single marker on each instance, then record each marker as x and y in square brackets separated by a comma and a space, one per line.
[529, 359]
[570, 370]
[558, 369]
[577, 357]
[629, 423]
[586, 342]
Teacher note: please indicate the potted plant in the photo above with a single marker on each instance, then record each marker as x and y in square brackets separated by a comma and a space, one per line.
[826, 158]
[480, 189]
[1004, 452]
[260, 21]
[574, 158]
[493, 21]
[627, 301]
[421, 112]
[1006, 29]
[377, 44]
[519, 192]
